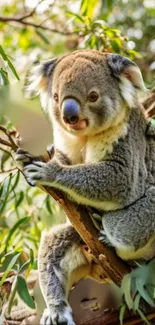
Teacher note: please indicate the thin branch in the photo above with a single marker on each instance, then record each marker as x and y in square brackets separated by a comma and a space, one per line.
[21, 20]
[12, 143]
[9, 170]
[5, 143]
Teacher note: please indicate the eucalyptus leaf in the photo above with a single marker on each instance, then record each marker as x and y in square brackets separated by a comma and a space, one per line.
[9, 268]
[122, 313]
[15, 227]
[24, 293]
[4, 192]
[143, 317]
[126, 287]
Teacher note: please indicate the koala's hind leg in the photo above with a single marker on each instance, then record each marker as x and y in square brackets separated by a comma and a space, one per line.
[61, 263]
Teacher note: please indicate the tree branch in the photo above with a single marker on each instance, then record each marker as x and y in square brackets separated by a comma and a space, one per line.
[22, 21]
[8, 133]
[111, 266]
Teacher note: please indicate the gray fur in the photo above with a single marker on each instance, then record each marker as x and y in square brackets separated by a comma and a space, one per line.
[117, 63]
[53, 279]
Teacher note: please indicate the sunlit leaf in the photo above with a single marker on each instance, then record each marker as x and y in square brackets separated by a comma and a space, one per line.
[126, 287]
[4, 76]
[16, 180]
[31, 256]
[43, 36]
[87, 7]
[24, 293]
[115, 45]
[121, 314]
[4, 192]
[15, 227]
[136, 302]
[74, 15]
[143, 317]
[5, 57]
[143, 292]
[48, 204]
[20, 199]
[9, 268]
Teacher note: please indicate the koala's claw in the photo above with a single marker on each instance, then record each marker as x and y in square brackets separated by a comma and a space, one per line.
[23, 156]
[35, 172]
[50, 150]
[54, 318]
[104, 239]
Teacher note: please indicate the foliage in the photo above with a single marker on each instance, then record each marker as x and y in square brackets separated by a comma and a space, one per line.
[4, 80]
[42, 29]
[139, 286]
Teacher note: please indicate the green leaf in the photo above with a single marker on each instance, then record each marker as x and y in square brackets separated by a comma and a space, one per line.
[48, 204]
[15, 227]
[42, 36]
[152, 122]
[3, 54]
[143, 292]
[27, 263]
[136, 302]
[107, 5]
[31, 256]
[12, 295]
[121, 314]
[5, 58]
[17, 177]
[24, 266]
[126, 287]
[20, 199]
[9, 268]
[115, 45]
[4, 193]
[87, 7]
[13, 69]
[143, 317]
[72, 14]
[24, 293]
[4, 76]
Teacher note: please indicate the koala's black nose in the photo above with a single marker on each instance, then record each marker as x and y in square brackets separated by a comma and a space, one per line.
[70, 110]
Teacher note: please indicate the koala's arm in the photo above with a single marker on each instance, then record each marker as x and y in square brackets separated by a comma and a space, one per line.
[87, 184]
[62, 263]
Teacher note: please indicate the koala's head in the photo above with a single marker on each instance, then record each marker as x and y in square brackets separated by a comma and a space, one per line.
[87, 91]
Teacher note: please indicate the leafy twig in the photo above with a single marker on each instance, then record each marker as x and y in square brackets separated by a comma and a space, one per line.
[12, 143]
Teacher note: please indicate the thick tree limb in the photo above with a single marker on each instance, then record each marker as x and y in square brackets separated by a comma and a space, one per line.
[112, 268]
[112, 318]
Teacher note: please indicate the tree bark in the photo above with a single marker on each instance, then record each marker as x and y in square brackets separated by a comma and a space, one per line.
[112, 268]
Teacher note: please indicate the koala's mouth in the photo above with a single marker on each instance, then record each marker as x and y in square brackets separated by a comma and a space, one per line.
[80, 125]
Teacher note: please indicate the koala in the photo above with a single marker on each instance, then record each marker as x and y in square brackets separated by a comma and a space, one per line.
[102, 158]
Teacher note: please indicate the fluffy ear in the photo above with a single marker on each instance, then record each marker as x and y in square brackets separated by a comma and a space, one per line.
[39, 81]
[129, 76]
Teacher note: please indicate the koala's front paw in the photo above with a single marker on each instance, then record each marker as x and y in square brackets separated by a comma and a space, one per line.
[57, 317]
[104, 239]
[35, 172]
[23, 156]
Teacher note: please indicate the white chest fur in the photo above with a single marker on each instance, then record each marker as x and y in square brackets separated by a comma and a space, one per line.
[100, 145]
[70, 145]
[89, 150]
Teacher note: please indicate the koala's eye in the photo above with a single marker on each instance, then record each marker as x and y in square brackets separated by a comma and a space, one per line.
[93, 96]
[56, 98]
